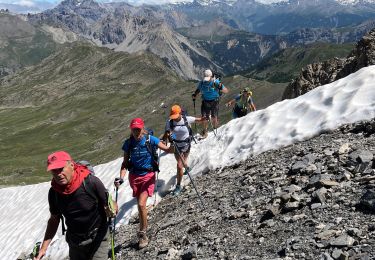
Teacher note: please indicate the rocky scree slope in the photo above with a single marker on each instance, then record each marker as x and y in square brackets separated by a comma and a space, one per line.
[311, 200]
[321, 73]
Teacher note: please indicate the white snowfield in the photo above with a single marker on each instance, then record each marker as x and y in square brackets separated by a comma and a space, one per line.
[24, 210]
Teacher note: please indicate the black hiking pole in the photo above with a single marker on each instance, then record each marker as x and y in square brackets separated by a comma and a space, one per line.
[157, 178]
[188, 173]
[112, 229]
[195, 114]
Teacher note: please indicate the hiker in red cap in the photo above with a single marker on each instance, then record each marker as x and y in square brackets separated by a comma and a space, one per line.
[139, 161]
[85, 215]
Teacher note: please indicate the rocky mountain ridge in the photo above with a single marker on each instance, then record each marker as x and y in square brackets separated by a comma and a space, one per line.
[311, 200]
[275, 18]
[322, 73]
[123, 27]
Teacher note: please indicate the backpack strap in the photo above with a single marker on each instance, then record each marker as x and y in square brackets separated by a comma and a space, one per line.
[87, 185]
[155, 164]
[171, 126]
[186, 123]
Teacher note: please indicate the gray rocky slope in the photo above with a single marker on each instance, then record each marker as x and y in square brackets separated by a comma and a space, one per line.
[312, 200]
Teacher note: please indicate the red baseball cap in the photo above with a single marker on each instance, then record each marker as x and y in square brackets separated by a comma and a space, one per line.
[57, 160]
[137, 123]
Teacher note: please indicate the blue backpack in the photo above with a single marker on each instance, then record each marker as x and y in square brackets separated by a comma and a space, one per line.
[152, 149]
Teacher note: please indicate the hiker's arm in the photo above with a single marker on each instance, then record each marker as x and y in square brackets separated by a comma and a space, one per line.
[52, 225]
[252, 105]
[124, 165]
[230, 103]
[165, 148]
[224, 89]
[196, 92]
[200, 119]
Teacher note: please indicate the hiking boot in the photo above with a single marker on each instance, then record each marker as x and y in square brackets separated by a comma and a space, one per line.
[177, 190]
[143, 239]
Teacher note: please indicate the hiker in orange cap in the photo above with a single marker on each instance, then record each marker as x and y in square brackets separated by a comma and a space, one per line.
[178, 130]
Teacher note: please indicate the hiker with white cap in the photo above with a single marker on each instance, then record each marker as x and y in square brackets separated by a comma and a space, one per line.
[211, 89]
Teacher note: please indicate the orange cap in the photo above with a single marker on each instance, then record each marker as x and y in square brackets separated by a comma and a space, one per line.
[175, 112]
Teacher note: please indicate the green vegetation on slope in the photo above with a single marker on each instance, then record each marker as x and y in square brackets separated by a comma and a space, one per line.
[22, 44]
[286, 64]
[82, 99]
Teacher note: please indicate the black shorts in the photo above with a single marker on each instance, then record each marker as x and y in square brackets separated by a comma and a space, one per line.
[210, 108]
[239, 112]
[184, 149]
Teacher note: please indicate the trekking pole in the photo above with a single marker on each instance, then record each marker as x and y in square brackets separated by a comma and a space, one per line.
[187, 170]
[157, 178]
[35, 251]
[195, 114]
[112, 228]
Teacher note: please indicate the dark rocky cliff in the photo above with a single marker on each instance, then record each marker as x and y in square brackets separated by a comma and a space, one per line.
[318, 74]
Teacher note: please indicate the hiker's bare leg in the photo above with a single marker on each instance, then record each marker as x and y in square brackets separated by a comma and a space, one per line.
[142, 211]
[215, 122]
[180, 166]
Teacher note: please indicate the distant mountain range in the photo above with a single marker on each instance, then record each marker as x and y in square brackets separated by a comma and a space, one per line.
[182, 36]
[277, 18]
[22, 44]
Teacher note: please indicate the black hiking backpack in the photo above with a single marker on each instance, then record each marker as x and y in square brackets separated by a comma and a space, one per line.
[89, 189]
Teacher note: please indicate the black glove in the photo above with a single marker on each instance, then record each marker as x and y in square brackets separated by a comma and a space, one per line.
[119, 181]
[193, 96]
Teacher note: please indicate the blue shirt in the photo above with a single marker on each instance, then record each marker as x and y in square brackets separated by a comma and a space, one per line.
[140, 157]
[210, 89]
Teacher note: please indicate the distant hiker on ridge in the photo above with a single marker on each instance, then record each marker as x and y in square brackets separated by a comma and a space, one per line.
[85, 215]
[243, 103]
[139, 161]
[211, 90]
[178, 129]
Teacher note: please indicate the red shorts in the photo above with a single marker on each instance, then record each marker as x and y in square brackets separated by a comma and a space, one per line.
[140, 184]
